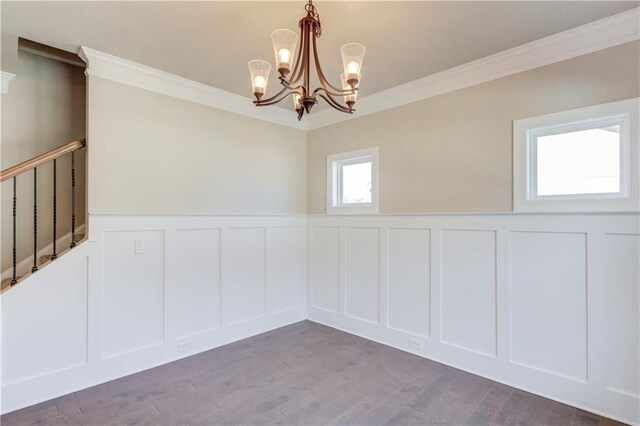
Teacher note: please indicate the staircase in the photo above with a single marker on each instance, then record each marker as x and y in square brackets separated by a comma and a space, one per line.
[40, 260]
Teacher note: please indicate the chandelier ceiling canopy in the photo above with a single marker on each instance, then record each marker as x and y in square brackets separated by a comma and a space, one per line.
[295, 77]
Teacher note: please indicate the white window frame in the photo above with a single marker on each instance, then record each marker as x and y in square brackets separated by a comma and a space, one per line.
[525, 133]
[334, 196]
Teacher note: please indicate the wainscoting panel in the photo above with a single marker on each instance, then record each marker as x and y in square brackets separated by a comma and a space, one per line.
[146, 290]
[544, 302]
[133, 291]
[362, 270]
[551, 298]
[193, 293]
[548, 302]
[325, 268]
[468, 290]
[244, 286]
[49, 314]
[623, 313]
[285, 268]
[408, 277]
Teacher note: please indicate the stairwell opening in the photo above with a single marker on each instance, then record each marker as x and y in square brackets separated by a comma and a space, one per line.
[44, 109]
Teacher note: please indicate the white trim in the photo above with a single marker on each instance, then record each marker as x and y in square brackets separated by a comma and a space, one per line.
[109, 67]
[525, 198]
[5, 78]
[23, 268]
[91, 352]
[598, 251]
[333, 204]
[601, 34]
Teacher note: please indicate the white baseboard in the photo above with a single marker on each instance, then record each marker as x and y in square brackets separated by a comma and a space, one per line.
[144, 291]
[525, 300]
[522, 299]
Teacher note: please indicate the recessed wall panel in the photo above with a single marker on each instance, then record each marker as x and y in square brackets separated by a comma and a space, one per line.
[548, 296]
[133, 291]
[622, 313]
[409, 271]
[325, 267]
[468, 290]
[284, 268]
[44, 327]
[363, 273]
[194, 302]
[244, 274]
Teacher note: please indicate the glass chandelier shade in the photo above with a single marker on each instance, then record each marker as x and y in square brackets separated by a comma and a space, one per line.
[284, 46]
[259, 70]
[294, 56]
[352, 57]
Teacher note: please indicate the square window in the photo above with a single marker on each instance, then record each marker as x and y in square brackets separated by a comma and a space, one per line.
[578, 160]
[352, 182]
[355, 182]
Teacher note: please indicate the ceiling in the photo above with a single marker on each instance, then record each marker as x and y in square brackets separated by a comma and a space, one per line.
[211, 42]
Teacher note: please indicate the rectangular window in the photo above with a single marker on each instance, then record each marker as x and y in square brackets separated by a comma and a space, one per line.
[578, 160]
[352, 182]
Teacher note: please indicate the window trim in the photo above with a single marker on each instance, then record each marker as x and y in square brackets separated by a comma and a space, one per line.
[525, 133]
[334, 196]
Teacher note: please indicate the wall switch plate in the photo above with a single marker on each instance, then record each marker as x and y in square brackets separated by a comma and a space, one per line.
[415, 344]
[139, 246]
[184, 346]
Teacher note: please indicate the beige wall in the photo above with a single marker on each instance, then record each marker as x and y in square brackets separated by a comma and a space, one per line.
[44, 108]
[150, 153]
[452, 153]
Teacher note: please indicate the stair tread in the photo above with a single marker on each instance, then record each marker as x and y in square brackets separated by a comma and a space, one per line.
[47, 257]
[6, 283]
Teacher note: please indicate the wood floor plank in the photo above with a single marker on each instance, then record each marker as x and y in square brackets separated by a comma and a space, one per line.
[302, 374]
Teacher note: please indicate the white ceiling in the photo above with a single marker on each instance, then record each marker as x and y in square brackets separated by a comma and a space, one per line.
[211, 42]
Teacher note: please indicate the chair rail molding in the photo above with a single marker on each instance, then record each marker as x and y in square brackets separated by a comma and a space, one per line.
[5, 78]
[588, 38]
[145, 290]
[547, 303]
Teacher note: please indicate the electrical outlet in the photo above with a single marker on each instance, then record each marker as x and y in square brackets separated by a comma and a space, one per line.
[415, 344]
[184, 346]
[139, 246]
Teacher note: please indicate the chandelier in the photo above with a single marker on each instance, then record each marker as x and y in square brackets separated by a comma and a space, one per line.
[295, 79]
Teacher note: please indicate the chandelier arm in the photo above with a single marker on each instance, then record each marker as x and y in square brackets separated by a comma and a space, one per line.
[330, 92]
[264, 101]
[288, 85]
[306, 88]
[299, 55]
[273, 100]
[323, 79]
[299, 68]
[335, 103]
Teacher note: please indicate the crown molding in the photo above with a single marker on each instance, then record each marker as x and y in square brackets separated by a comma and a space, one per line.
[601, 34]
[5, 78]
[110, 67]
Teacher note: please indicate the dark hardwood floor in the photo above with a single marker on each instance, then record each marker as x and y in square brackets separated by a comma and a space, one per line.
[303, 374]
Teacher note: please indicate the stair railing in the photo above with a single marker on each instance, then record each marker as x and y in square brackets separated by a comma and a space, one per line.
[15, 171]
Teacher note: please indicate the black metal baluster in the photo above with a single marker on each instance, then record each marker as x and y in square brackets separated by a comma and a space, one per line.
[14, 278]
[73, 200]
[55, 211]
[35, 220]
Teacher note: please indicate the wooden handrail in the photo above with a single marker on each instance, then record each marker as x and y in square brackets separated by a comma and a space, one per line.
[41, 159]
